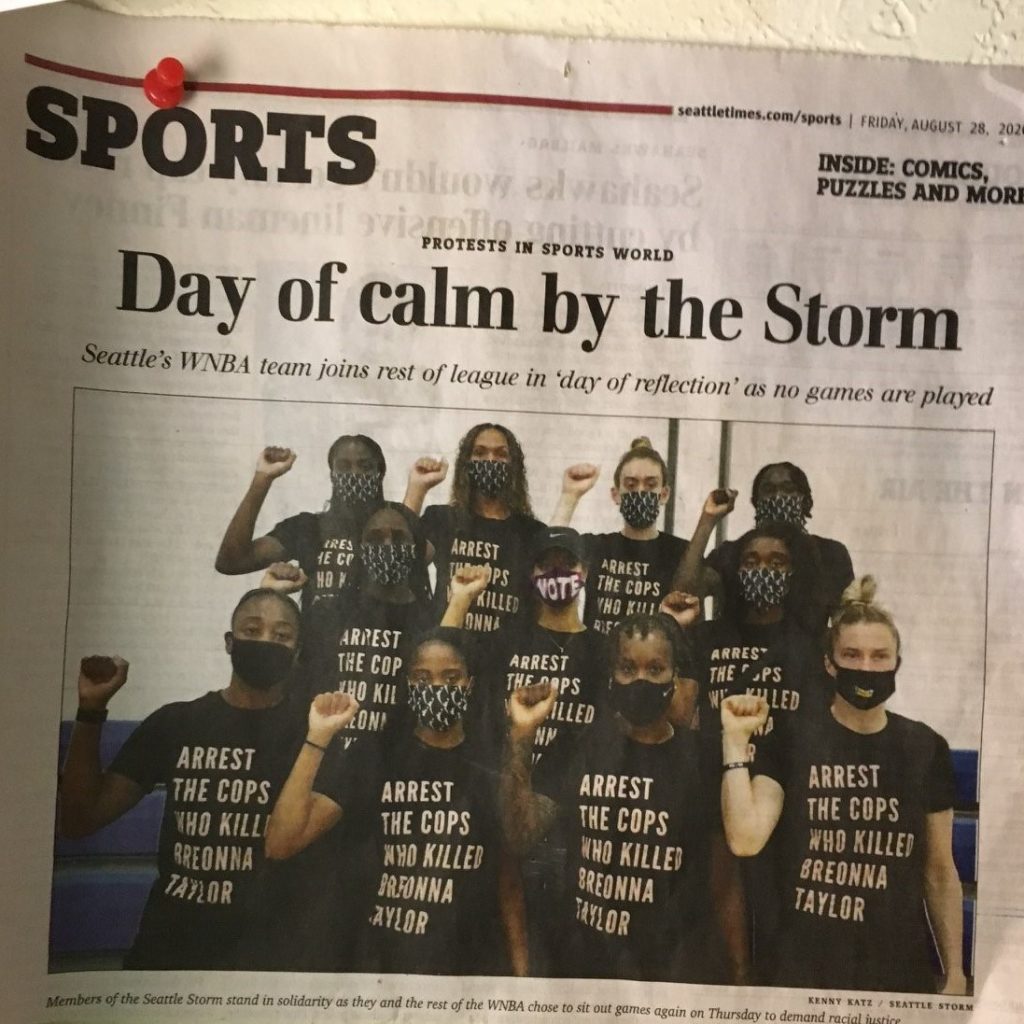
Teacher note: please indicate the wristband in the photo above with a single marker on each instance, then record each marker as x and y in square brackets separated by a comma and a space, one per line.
[95, 716]
[735, 764]
[316, 746]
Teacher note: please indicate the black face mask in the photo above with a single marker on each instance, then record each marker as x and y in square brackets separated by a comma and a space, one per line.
[261, 664]
[641, 702]
[865, 689]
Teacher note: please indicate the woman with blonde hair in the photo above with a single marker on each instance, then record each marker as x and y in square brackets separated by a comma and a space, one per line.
[630, 569]
[863, 799]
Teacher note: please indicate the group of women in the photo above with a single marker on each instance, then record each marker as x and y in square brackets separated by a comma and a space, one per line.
[538, 757]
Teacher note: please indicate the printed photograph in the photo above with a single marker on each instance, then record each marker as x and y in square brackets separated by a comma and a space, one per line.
[384, 689]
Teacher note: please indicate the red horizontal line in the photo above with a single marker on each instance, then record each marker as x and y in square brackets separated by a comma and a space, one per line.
[414, 95]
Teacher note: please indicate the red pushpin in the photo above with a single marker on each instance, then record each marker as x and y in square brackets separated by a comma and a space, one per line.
[164, 85]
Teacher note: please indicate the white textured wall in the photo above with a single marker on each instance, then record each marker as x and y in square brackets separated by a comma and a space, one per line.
[966, 31]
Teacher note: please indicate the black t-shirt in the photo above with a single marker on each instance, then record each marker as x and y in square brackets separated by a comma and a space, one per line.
[637, 817]
[357, 650]
[461, 538]
[779, 662]
[433, 907]
[223, 768]
[324, 545]
[853, 833]
[627, 577]
[576, 664]
[833, 572]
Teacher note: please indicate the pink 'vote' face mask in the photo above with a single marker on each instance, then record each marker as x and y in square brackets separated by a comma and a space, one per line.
[557, 587]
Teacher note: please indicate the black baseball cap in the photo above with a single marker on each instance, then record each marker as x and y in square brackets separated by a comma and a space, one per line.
[562, 537]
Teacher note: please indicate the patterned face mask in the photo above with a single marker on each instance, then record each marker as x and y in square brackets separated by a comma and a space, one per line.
[357, 488]
[764, 588]
[780, 508]
[488, 476]
[388, 564]
[438, 707]
[639, 508]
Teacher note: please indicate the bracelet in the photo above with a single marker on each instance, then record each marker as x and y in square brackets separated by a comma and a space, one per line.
[316, 746]
[95, 716]
[735, 764]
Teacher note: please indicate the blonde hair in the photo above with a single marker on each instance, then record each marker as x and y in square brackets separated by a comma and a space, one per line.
[858, 605]
[641, 448]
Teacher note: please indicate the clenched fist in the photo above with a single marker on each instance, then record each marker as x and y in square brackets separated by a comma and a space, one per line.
[427, 472]
[528, 707]
[684, 608]
[275, 461]
[580, 478]
[742, 715]
[329, 714]
[99, 678]
[470, 581]
[719, 503]
[284, 577]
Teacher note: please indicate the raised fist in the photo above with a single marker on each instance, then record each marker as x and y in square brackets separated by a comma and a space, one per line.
[684, 608]
[529, 706]
[580, 478]
[719, 503]
[99, 678]
[274, 461]
[329, 714]
[284, 577]
[470, 581]
[742, 715]
[427, 472]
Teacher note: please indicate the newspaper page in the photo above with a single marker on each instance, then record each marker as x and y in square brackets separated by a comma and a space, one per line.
[432, 462]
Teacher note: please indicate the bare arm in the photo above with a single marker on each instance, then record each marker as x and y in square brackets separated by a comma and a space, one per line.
[730, 905]
[513, 914]
[300, 815]
[526, 816]
[944, 896]
[90, 797]
[750, 807]
[238, 552]
[692, 576]
[683, 707]
[468, 583]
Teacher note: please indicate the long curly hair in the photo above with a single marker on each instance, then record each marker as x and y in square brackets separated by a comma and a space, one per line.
[517, 491]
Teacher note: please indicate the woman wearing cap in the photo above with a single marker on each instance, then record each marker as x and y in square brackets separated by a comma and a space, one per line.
[863, 806]
[488, 521]
[549, 646]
